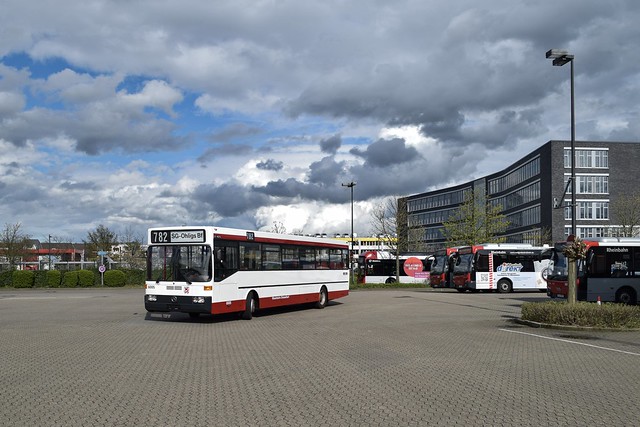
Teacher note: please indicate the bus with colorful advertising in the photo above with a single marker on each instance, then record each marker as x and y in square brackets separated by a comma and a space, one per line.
[501, 267]
[442, 267]
[380, 267]
[610, 272]
[215, 270]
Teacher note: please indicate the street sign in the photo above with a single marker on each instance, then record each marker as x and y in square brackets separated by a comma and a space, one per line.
[102, 253]
[102, 269]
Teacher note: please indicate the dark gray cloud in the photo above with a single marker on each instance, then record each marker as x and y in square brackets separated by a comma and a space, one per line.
[270, 165]
[326, 171]
[228, 200]
[221, 150]
[234, 132]
[331, 144]
[385, 152]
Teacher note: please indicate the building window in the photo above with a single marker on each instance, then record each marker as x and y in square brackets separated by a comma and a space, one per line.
[588, 158]
[598, 210]
[515, 177]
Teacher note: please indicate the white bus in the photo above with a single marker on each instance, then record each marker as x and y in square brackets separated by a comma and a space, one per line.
[215, 270]
[380, 267]
[503, 267]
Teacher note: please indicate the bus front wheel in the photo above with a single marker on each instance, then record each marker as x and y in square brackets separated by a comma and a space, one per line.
[504, 286]
[626, 296]
[323, 298]
[250, 306]
[390, 280]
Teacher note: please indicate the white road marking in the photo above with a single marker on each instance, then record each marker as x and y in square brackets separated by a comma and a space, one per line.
[572, 342]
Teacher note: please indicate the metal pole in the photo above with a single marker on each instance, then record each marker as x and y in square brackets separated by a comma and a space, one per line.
[49, 252]
[574, 229]
[352, 250]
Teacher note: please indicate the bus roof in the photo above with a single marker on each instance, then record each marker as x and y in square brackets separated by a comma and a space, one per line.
[212, 232]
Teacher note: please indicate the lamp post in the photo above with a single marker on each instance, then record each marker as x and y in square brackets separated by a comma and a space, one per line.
[49, 252]
[350, 185]
[560, 58]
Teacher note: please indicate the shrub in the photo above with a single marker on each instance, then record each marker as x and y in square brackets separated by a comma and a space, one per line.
[54, 277]
[40, 278]
[607, 315]
[134, 277]
[86, 278]
[5, 278]
[70, 279]
[22, 279]
[114, 278]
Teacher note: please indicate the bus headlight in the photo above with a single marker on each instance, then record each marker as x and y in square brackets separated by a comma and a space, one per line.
[152, 298]
[198, 300]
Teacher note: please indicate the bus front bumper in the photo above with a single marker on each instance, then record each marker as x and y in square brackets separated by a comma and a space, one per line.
[181, 304]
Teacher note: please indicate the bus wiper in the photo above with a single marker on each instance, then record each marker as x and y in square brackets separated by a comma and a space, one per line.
[158, 279]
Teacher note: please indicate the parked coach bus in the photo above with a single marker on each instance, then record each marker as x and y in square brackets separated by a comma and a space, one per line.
[217, 270]
[610, 271]
[503, 267]
[380, 267]
[442, 267]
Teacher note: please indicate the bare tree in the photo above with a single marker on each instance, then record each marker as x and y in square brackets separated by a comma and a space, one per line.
[14, 244]
[132, 254]
[385, 219]
[278, 227]
[476, 221]
[625, 212]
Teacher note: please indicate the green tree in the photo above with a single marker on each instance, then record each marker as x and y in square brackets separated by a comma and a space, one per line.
[14, 244]
[100, 239]
[476, 221]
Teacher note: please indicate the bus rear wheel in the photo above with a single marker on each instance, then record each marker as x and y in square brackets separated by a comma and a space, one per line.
[504, 286]
[323, 298]
[390, 280]
[626, 296]
[250, 306]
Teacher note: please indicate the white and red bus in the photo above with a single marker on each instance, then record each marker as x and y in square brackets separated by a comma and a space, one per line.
[216, 270]
[380, 267]
[442, 267]
[502, 267]
[610, 271]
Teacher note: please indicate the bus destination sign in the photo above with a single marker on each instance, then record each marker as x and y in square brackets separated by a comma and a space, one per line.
[177, 236]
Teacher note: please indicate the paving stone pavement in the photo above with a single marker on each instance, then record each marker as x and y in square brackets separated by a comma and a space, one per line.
[93, 357]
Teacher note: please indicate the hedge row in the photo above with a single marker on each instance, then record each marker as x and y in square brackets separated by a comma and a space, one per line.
[70, 279]
[607, 315]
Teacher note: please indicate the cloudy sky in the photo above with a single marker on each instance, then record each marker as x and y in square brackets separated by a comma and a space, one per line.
[246, 113]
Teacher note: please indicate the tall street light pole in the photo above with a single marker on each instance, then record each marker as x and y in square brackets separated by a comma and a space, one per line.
[49, 252]
[350, 185]
[560, 58]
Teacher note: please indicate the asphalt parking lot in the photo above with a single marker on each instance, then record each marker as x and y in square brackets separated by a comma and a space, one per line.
[73, 357]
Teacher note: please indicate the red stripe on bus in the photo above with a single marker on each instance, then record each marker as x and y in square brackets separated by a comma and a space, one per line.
[270, 302]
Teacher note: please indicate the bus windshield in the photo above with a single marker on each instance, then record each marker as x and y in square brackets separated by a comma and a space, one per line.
[463, 265]
[438, 263]
[558, 268]
[179, 263]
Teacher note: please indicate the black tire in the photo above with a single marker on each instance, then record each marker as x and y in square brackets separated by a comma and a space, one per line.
[390, 280]
[323, 298]
[250, 307]
[504, 286]
[552, 295]
[626, 296]
[461, 290]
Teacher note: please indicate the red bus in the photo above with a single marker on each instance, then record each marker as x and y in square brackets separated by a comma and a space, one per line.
[442, 267]
[610, 271]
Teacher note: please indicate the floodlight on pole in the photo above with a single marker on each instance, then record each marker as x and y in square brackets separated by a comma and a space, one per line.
[561, 57]
[350, 185]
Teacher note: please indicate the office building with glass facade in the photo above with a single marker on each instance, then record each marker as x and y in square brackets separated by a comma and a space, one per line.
[525, 192]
